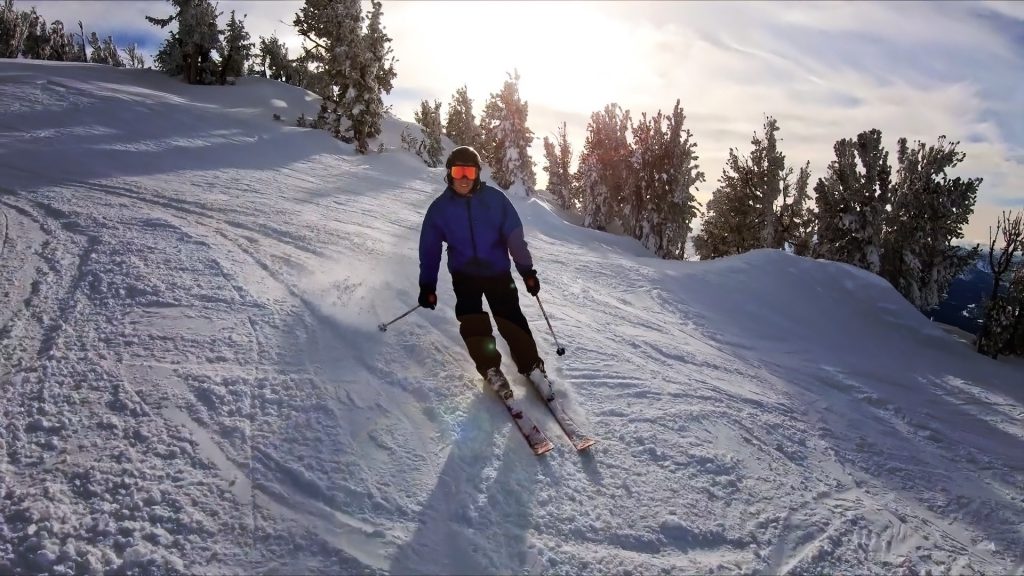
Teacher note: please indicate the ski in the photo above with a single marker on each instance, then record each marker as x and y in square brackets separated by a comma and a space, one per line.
[579, 439]
[533, 435]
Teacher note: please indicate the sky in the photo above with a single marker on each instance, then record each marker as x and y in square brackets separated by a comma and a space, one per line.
[192, 380]
[825, 70]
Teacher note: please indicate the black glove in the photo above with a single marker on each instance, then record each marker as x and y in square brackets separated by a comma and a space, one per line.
[531, 281]
[428, 296]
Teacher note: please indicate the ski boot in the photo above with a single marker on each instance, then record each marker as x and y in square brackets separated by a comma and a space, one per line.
[499, 384]
[539, 378]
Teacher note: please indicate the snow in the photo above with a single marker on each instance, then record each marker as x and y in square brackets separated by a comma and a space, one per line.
[191, 377]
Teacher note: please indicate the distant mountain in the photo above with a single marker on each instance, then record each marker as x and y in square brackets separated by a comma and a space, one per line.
[962, 306]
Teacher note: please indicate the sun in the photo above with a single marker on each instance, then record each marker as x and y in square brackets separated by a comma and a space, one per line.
[570, 55]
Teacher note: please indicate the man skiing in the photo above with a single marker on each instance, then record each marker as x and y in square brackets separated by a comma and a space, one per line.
[482, 229]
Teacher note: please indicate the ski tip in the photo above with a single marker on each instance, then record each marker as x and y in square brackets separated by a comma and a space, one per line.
[584, 444]
[543, 448]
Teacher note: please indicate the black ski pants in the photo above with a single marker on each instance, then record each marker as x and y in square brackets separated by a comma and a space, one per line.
[475, 324]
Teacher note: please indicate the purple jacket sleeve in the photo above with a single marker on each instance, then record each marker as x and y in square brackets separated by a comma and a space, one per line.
[512, 230]
[431, 237]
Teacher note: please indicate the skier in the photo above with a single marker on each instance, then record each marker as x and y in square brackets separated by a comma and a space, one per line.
[482, 229]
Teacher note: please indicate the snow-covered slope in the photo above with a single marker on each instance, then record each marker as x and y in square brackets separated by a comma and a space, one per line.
[192, 378]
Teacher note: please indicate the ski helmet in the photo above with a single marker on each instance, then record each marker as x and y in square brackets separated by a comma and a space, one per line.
[463, 156]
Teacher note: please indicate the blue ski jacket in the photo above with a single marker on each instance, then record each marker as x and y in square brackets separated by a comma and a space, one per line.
[481, 230]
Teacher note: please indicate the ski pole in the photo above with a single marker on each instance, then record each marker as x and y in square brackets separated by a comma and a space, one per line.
[384, 327]
[558, 349]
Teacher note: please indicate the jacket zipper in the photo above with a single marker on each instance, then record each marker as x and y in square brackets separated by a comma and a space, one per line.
[472, 235]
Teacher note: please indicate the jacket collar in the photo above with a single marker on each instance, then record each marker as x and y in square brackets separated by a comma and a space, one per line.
[452, 193]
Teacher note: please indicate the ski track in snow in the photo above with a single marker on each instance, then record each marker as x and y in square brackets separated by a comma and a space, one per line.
[192, 379]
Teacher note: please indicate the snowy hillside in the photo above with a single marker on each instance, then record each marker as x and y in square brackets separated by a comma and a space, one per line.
[191, 378]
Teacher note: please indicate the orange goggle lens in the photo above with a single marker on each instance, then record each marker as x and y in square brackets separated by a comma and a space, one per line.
[458, 172]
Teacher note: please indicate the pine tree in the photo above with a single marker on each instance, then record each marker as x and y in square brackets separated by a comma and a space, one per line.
[852, 202]
[1015, 296]
[604, 167]
[759, 205]
[675, 205]
[730, 224]
[378, 46]
[62, 44]
[507, 138]
[797, 218]
[96, 52]
[460, 126]
[169, 58]
[928, 211]
[350, 68]
[334, 29]
[111, 53]
[134, 58]
[237, 49]
[773, 175]
[189, 51]
[13, 29]
[377, 72]
[272, 60]
[558, 158]
[648, 166]
[104, 51]
[429, 148]
[36, 44]
[1002, 310]
[80, 54]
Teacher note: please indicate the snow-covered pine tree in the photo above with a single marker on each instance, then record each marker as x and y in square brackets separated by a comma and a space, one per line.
[429, 119]
[773, 176]
[1000, 319]
[758, 206]
[96, 53]
[377, 74]
[13, 28]
[237, 49]
[189, 50]
[335, 55]
[507, 138]
[604, 166]
[36, 45]
[104, 52]
[80, 54]
[1015, 295]
[730, 222]
[378, 46]
[678, 207]
[928, 211]
[570, 190]
[272, 60]
[134, 59]
[558, 158]
[648, 167]
[350, 68]
[113, 54]
[460, 126]
[852, 201]
[62, 44]
[797, 219]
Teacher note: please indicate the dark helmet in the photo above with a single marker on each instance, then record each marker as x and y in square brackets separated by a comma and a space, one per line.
[463, 156]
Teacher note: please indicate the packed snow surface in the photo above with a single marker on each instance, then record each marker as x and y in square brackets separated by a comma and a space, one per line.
[192, 379]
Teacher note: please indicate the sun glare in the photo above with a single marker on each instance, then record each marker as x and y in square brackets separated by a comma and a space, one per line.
[569, 54]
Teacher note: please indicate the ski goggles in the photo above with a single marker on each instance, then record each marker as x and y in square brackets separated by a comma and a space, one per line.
[458, 172]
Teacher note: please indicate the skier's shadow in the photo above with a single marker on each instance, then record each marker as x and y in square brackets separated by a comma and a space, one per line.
[475, 522]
